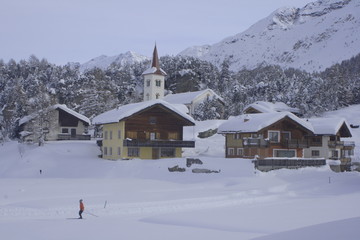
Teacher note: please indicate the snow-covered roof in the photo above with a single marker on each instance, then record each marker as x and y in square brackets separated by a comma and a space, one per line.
[188, 97]
[267, 107]
[128, 110]
[251, 123]
[56, 106]
[327, 126]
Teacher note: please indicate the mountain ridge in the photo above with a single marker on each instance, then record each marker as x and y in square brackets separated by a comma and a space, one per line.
[104, 61]
[311, 38]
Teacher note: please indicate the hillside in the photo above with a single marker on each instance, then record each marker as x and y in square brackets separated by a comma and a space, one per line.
[312, 38]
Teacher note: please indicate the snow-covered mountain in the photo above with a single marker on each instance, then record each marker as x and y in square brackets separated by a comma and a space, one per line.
[104, 61]
[312, 38]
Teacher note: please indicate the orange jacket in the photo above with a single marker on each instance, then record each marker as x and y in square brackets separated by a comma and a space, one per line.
[82, 208]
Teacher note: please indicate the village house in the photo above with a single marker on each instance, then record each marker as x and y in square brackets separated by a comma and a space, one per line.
[284, 135]
[57, 122]
[151, 129]
[327, 140]
[269, 107]
[262, 135]
[146, 130]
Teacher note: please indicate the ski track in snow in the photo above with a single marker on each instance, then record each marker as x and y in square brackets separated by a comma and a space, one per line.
[141, 208]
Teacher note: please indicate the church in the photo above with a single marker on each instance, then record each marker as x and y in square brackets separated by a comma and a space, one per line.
[154, 87]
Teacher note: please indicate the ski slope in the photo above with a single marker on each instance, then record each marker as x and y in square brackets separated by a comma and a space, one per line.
[140, 199]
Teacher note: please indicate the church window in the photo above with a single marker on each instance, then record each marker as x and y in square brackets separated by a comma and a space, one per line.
[148, 83]
[158, 83]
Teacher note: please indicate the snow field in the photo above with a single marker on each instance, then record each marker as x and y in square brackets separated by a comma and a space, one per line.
[140, 199]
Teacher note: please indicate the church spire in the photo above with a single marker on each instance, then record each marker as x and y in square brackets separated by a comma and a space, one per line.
[155, 60]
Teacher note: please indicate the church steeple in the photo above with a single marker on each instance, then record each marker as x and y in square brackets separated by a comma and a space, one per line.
[154, 79]
[155, 60]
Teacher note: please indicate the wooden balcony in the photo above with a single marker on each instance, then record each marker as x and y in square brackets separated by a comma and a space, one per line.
[259, 142]
[74, 137]
[158, 143]
[334, 144]
[295, 143]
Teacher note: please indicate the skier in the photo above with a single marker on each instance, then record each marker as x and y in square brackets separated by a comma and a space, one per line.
[82, 208]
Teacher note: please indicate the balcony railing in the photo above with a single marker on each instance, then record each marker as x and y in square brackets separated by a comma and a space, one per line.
[158, 143]
[74, 137]
[255, 142]
[334, 144]
[295, 143]
[259, 142]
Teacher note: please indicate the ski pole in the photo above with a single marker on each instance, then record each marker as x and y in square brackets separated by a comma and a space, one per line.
[91, 214]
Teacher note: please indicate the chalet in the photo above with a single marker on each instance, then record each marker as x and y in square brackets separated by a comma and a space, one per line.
[57, 122]
[284, 135]
[327, 141]
[146, 130]
[269, 107]
[263, 135]
[192, 99]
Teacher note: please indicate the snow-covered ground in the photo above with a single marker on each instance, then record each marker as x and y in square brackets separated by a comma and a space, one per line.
[141, 199]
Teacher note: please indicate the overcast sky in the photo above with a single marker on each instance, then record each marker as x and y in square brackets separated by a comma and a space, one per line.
[78, 30]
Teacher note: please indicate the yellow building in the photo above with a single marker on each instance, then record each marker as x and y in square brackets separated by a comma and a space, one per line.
[146, 130]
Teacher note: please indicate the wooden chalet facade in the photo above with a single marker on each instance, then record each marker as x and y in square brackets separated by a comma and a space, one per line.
[265, 135]
[284, 135]
[146, 130]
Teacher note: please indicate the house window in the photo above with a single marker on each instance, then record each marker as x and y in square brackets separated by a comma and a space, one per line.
[110, 151]
[106, 135]
[133, 152]
[254, 135]
[316, 141]
[105, 151]
[158, 83]
[274, 136]
[237, 136]
[119, 151]
[173, 135]
[240, 151]
[110, 135]
[348, 153]
[284, 153]
[65, 130]
[152, 136]
[231, 151]
[286, 136]
[148, 83]
[132, 135]
[167, 152]
[119, 134]
[315, 153]
[152, 120]
[335, 154]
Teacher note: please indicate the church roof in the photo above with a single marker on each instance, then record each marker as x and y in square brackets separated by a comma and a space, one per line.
[189, 97]
[155, 65]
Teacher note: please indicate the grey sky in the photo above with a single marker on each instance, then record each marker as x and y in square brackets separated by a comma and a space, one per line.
[77, 30]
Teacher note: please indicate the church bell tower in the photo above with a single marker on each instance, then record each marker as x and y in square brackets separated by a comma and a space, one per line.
[154, 79]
